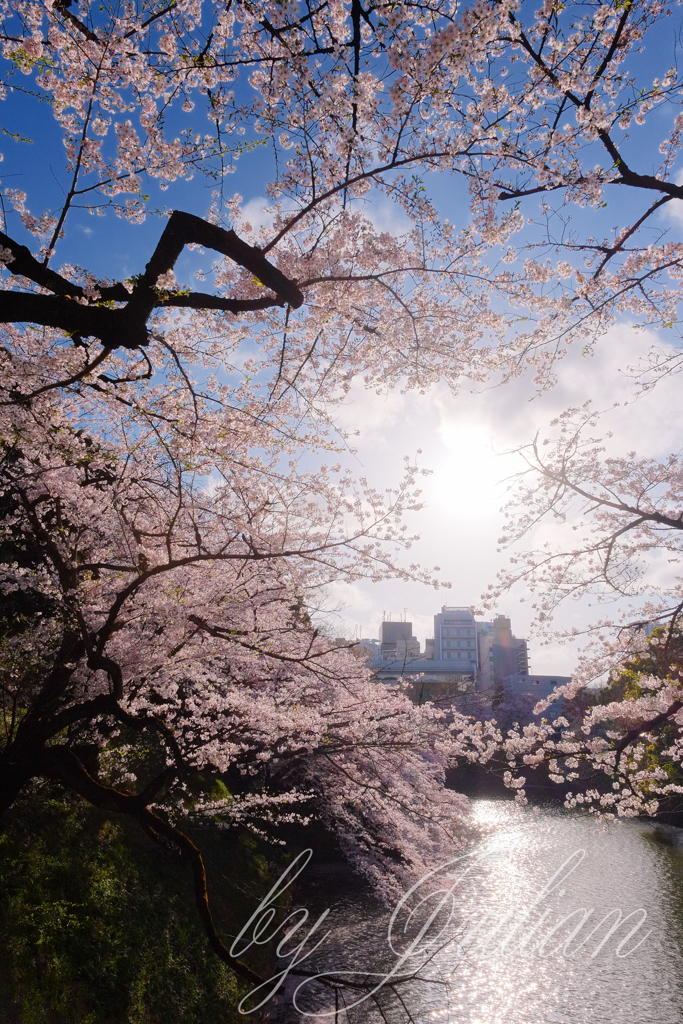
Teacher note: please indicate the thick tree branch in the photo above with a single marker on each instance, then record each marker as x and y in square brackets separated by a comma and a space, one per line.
[62, 6]
[25, 265]
[126, 327]
[183, 229]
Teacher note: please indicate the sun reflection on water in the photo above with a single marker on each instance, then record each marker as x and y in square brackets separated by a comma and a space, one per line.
[523, 980]
[503, 973]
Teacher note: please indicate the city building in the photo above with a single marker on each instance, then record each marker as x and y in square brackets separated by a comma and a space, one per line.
[449, 662]
[539, 687]
[455, 638]
[397, 643]
[463, 656]
[500, 653]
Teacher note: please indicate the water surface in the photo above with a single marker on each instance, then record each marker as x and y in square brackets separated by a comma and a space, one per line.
[507, 955]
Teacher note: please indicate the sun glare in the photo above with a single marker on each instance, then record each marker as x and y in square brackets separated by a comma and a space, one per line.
[470, 473]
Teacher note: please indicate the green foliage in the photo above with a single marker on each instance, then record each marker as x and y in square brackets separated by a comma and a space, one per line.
[661, 659]
[97, 926]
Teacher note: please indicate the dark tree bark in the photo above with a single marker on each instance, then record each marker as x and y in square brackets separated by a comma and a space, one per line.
[126, 327]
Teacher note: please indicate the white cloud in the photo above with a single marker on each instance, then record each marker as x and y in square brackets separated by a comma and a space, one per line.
[384, 214]
[257, 213]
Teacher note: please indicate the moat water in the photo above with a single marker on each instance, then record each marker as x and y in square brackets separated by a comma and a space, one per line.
[547, 917]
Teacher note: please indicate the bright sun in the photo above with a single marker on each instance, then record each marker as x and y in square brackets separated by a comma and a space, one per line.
[469, 475]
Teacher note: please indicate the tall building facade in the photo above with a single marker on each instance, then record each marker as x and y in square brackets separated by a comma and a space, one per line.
[501, 653]
[464, 656]
[455, 637]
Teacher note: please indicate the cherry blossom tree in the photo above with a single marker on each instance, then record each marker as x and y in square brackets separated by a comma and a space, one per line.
[357, 102]
[162, 663]
[326, 89]
[161, 543]
[577, 111]
[623, 525]
[160, 551]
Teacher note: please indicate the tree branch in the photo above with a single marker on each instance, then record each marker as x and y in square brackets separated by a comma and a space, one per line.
[127, 327]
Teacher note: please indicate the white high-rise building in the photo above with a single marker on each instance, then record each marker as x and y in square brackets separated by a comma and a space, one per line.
[455, 638]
